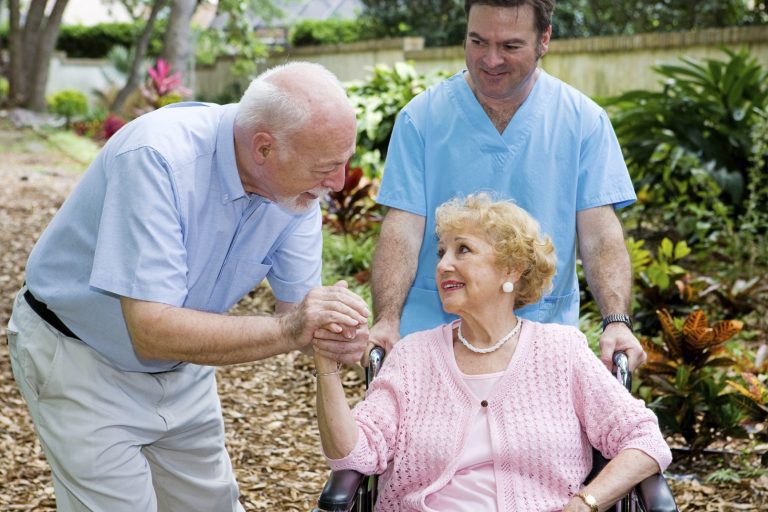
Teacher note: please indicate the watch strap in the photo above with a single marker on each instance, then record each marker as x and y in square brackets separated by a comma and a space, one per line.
[588, 500]
[617, 318]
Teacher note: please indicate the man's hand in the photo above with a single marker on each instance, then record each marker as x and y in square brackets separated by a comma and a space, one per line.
[618, 337]
[335, 308]
[383, 334]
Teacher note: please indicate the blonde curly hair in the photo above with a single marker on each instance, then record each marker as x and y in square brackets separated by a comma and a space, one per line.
[514, 235]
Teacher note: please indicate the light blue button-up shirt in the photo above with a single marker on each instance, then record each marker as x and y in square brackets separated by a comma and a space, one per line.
[161, 215]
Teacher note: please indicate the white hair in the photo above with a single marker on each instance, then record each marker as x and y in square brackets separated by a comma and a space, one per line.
[269, 102]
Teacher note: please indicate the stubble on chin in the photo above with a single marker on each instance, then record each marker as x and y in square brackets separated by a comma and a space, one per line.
[296, 205]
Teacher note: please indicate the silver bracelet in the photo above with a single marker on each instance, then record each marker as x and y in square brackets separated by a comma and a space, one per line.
[322, 374]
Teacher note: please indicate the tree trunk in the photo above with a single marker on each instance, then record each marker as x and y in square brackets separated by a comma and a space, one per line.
[16, 78]
[38, 79]
[31, 45]
[176, 44]
[139, 51]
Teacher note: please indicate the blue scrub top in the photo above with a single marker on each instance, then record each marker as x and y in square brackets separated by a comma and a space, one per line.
[558, 155]
[161, 215]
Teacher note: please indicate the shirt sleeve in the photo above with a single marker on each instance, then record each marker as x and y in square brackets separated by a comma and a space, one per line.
[377, 417]
[140, 251]
[603, 175]
[612, 418]
[297, 262]
[402, 185]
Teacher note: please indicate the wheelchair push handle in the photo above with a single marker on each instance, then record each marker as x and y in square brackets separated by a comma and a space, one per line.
[375, 360]
[623, 374]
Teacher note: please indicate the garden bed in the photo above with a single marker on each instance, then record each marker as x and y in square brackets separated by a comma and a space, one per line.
[268, 406]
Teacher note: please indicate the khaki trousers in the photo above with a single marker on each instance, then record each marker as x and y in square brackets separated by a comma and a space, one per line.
[121, 441]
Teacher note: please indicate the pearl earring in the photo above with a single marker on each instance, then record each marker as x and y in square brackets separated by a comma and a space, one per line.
[508, 287]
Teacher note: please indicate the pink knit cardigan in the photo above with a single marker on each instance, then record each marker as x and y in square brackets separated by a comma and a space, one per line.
[554, 402]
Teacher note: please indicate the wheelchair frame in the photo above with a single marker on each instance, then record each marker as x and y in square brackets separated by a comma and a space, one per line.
[350, 491]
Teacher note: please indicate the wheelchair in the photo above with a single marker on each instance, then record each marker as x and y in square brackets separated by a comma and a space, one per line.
[350, 491]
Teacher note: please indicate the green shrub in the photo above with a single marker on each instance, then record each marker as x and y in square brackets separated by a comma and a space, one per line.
[685, 381]
[330, 31]
[4, 89]
[378, 99]
[69, 104]
[706, 108]
[348, 257]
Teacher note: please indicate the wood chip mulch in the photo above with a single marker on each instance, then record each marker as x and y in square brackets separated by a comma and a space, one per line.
[268, 405]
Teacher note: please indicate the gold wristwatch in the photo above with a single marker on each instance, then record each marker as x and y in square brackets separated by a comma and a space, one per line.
[588, 500]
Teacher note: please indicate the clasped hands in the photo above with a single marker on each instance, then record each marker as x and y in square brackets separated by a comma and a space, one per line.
[333, 321]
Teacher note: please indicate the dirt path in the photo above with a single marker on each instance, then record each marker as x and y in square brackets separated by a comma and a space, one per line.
[268, 406]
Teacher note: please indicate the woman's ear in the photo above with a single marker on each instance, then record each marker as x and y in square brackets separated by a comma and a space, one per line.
[513, 274]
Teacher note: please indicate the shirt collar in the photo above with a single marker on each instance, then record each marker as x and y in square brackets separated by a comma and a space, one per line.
[226, 163]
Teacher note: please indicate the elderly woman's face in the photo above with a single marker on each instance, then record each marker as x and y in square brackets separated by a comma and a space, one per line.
[467, 273]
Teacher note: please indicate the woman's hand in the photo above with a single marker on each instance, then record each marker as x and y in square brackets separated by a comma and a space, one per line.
[576, 505]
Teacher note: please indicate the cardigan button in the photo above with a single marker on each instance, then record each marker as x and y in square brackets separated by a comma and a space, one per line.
[484, 403]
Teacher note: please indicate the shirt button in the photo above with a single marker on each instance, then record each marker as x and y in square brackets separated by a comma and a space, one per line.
[484, 403]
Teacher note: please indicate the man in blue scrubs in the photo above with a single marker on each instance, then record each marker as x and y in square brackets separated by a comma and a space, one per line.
[115, 334]
[505, 126]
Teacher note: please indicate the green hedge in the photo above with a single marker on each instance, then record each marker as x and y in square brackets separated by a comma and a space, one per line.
[95, 41]
[330, 31]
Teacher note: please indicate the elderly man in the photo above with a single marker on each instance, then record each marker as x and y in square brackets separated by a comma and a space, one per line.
[505, 125]
[183, 211]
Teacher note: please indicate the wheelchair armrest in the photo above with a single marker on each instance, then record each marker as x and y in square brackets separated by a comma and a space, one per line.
[340, 491]
[655, 495]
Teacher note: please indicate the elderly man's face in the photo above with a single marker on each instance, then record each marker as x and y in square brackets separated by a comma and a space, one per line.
[312, 164]
[502, 49]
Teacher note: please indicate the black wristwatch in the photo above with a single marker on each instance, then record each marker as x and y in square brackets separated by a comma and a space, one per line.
[611, 319]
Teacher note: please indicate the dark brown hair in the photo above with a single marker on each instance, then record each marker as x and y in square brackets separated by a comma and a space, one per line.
[542, 9]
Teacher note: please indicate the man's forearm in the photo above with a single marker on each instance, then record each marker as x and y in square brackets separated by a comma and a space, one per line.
[606, 262]
[159, 331]
[395, 262]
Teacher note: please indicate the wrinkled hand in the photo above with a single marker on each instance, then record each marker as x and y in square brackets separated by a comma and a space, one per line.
[383, 334]
[618, 337]
[334, 308]
[344, 347]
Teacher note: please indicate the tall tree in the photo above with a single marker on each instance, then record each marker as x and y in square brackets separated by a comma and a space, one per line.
[139, 52]
[32, 39]
[177, 47]
[440, 22]
[234, 31]
[586, 18]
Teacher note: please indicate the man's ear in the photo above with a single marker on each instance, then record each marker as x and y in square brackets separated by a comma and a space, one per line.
[261, 146]
[543, 43]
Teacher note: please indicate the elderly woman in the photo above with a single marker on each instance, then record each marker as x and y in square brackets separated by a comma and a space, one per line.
[491, 412]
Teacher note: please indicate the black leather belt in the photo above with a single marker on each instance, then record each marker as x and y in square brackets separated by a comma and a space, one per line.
[49, 316]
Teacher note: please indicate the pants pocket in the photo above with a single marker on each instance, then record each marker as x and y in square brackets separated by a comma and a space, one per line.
[34, 356]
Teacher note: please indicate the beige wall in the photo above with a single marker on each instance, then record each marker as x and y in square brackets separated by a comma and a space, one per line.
[600, 66]
[597, 66]
[612, 65]
[605, 66]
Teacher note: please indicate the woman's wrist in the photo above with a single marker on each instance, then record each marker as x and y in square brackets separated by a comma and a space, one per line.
[325, 366]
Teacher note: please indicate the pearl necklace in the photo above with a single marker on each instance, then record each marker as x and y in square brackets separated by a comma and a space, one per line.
[495, 347]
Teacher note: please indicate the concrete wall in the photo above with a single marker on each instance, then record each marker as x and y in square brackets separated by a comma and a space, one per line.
[599, 66]
[604, 66]
[84, 75]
